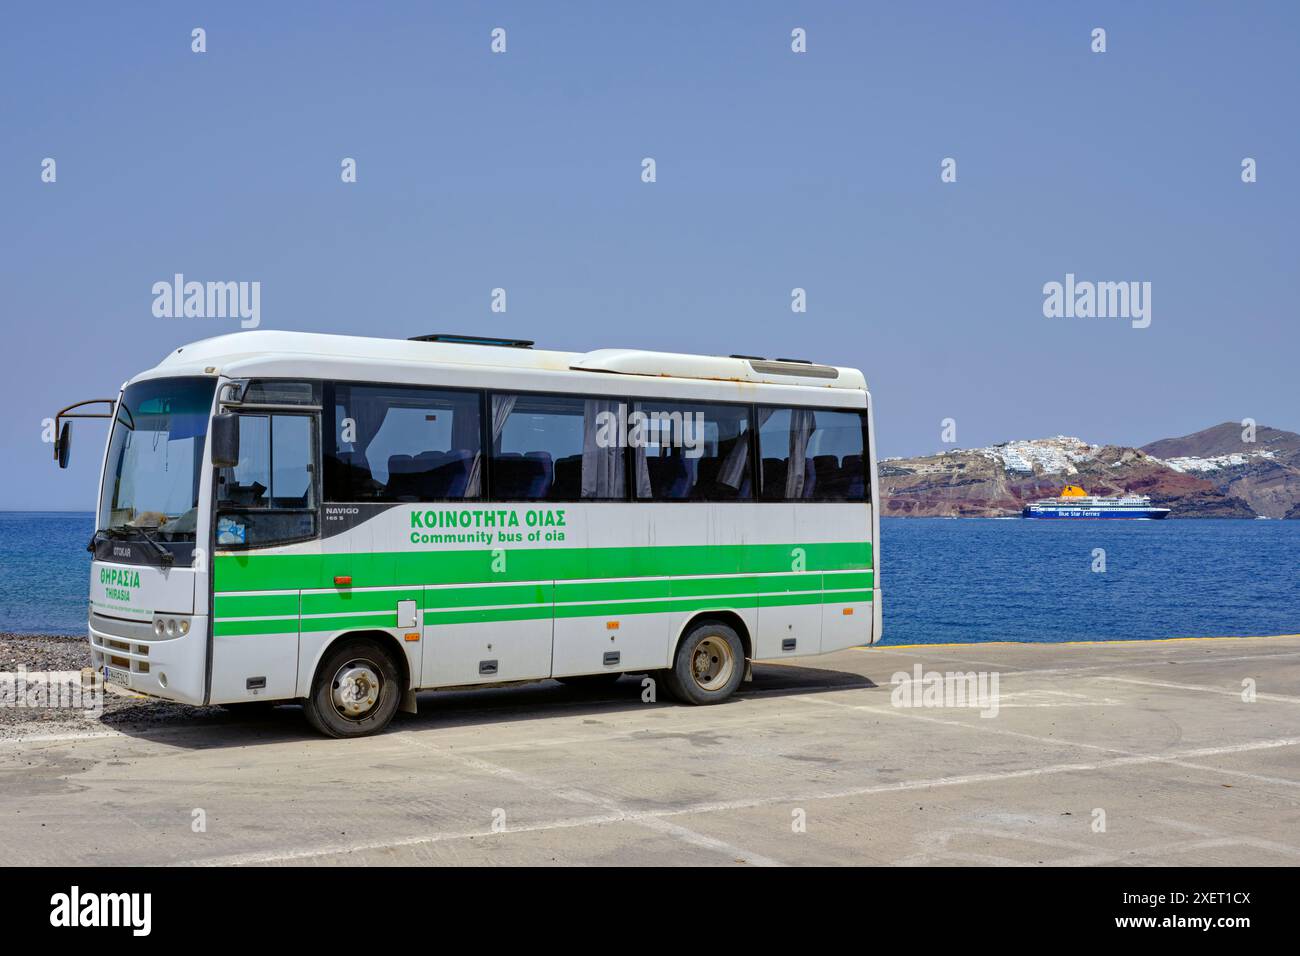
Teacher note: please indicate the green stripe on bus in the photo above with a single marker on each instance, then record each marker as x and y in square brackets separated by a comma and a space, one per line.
[345, 601]
[255, 605]
[287, 625]
[566, 592]
[786, 600]
[482, 596]
[489, 615]
[277, 572]
[345, 622]
[744, 589]
[563, 592]
[615, 609]
[856, 579]
[486, 615]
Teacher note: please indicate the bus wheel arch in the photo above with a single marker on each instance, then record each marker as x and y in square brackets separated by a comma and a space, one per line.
[730, 618]
[359, 682]
[382, 638]
[710, 659]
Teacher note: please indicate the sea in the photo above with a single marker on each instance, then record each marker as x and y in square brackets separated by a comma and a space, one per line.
[944, 581]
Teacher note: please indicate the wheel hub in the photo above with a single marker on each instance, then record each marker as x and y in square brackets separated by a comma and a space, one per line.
[356, 689]
[712, 663]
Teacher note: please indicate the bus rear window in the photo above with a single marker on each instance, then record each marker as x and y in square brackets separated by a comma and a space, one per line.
[812, 454]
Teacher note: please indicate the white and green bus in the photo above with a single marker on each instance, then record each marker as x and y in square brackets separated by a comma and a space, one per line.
[343, 521]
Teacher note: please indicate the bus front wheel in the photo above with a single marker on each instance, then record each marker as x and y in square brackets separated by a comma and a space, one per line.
[356, 690]
[709, 665]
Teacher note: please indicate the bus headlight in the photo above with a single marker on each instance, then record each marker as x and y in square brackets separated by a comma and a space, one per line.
[171, 626]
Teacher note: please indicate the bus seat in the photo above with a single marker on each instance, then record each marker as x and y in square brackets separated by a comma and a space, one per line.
[774, 471]
[401, 477]
[827, 470]
[517, 477]
[508, 475]
[350, 470]
[548, 469]
[667, 476]
[454, 473]
[853, 475]
[809, 478]
[425, 473]
[568, 477]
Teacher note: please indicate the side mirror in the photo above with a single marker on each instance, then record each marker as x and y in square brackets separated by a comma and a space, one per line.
[225, 440]
[63, 445]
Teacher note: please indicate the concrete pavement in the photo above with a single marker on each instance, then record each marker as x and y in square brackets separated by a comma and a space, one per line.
[1108, 753]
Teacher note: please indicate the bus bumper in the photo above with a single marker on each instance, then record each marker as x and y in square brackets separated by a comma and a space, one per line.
[130, 655]
[877, 618]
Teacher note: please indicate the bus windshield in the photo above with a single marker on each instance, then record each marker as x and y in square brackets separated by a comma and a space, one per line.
[155, 455]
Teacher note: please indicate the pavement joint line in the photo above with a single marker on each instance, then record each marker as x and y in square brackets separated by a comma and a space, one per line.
[1213, 834]
[1086, 856]
[340, 849]
[578, 795]
[61, 738]
[1110, 665]
[1180, 760]
[760, 802]
[1277, 698]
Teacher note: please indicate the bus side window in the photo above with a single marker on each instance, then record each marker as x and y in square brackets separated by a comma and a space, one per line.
[396, 443]
[248, 484]
[693, 452]
[270, 496]
[812, 454]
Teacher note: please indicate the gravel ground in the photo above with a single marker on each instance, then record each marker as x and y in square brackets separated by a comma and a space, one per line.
[43, 652]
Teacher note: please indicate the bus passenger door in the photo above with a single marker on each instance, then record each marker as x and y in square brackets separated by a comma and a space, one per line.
[267, 500]
[486, 633]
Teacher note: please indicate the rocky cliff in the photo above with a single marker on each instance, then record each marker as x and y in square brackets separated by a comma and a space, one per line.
[1260, 466]
[1204, 476]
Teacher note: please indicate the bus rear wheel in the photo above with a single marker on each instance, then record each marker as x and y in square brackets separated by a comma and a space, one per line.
[356, 690]
[709, 665]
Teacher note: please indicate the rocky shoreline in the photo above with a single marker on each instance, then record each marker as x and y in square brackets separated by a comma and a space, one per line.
[34, 716]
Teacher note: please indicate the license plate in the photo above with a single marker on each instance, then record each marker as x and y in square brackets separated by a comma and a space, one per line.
[114, 675]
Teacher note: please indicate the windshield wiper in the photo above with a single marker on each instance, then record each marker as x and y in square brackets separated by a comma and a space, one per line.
[124, 531]
[166, 556]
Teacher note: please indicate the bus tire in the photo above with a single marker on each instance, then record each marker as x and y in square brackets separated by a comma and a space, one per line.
[709, 664]
[356, 690]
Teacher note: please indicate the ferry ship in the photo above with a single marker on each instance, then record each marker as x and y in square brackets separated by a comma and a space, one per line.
[1074, 502]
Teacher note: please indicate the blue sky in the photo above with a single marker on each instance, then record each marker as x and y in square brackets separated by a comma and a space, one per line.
[775, 170]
